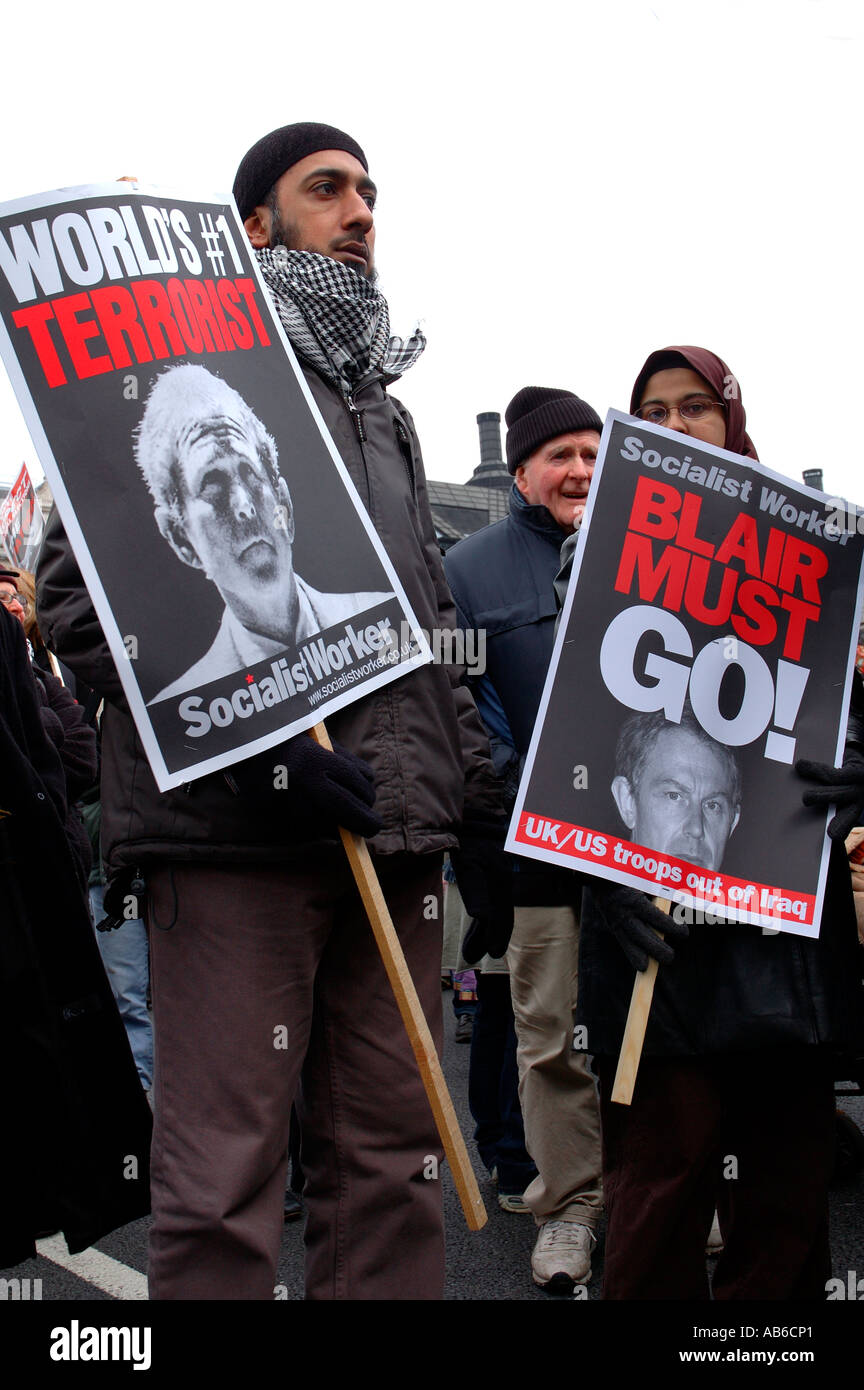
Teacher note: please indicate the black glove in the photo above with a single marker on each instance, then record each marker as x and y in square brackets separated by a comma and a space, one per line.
[311, 785]
[842, 787]
[484, 877]
[634, 921]
[487, 936]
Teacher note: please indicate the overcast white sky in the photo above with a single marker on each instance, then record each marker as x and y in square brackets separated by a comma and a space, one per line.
[563, 187]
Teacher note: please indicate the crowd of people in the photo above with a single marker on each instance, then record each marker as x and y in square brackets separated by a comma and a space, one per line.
[229, 904]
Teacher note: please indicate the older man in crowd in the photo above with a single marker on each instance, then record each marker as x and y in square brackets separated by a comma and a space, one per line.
[502, 581]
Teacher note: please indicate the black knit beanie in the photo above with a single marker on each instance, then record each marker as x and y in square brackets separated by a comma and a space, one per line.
[270, 156]
[538, 413]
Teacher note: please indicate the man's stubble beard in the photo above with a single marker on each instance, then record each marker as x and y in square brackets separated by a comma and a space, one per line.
[287, 235]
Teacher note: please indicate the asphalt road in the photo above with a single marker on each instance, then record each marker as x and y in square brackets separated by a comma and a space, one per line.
[492, 1264]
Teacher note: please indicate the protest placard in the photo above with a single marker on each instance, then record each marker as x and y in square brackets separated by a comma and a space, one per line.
[706, 643]
[21, 524]
[240, 583]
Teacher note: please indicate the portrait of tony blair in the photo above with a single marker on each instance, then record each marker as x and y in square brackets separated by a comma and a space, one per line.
[677, 790]
[224, 508]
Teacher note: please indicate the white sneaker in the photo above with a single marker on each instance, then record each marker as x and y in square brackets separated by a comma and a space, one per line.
[714, 1243]
[562, 1256]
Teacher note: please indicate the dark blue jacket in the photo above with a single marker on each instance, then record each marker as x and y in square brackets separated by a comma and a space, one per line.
[502, 580]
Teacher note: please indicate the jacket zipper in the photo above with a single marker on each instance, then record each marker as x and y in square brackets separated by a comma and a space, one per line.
[357, 417]
[360, 430]
[405, 450]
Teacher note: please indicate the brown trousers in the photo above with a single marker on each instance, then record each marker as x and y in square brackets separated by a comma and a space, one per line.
[261, 976]
[751, 1134]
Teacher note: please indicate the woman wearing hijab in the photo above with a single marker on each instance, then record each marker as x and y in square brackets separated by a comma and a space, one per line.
[696, 382]
[733, 1105]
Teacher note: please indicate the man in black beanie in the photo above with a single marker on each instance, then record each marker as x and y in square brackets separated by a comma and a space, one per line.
[268, 987]
[274, 964]
[374, 1227]
[296, 188]
[502, 580]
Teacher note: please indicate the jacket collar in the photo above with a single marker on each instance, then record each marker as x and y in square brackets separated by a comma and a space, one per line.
[535, 518]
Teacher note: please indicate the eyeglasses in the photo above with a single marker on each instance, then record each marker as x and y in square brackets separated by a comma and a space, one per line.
[696, 408]
[8, 599]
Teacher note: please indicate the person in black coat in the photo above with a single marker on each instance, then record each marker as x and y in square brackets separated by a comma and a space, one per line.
[63, 719]
[76, 1120]
[733, 1105]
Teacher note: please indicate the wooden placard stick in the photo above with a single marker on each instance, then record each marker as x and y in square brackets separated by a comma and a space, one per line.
[637, 1022]
[413, 1017]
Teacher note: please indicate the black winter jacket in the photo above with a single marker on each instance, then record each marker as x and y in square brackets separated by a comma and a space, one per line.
[76, 1121]
[421, 735]
[75, 741]
[733, 988]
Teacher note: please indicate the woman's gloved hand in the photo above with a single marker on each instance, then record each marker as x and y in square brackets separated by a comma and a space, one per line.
[634, 921]
[842, 787]
[484, 877]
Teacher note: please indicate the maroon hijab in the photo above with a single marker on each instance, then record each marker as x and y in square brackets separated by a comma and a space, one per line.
[718, 376]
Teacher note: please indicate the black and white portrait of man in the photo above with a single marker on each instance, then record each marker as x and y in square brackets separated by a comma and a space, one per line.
[677, 789]
[224, 508]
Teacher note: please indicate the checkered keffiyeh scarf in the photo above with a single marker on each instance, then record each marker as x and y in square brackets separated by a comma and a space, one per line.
[336, 319]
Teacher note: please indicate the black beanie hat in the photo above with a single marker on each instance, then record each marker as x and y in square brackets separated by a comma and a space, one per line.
[538, 413]
[270, 156]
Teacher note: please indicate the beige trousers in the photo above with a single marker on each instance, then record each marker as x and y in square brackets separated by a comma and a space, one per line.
[556, 1089]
